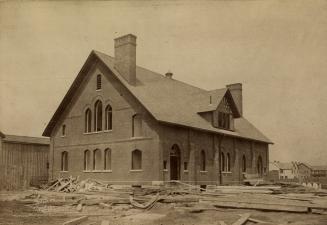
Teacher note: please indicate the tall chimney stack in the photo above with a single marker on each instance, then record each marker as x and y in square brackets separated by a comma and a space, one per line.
[125, 57]
[236, 91]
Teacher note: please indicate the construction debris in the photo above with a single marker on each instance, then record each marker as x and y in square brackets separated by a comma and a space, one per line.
[82, 194]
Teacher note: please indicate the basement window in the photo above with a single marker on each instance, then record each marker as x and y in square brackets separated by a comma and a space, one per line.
[98, 82]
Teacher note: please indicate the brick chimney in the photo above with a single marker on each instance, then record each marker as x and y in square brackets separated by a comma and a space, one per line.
[125, 57]
[169, 75]
[236, 91]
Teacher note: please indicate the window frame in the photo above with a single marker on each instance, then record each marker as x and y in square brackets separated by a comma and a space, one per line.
[98, 116]
[107, 158]
[88, 121]
[203, 161]
[87, 160]
[64, 161]
[99, 82]
[108, 117]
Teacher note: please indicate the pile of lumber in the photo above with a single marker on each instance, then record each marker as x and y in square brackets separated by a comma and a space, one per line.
[71, 184]
[91, 192]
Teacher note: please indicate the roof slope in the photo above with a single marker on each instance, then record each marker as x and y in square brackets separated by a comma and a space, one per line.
[27, 140]
[319, 167]
[284, 166]
[169, 101]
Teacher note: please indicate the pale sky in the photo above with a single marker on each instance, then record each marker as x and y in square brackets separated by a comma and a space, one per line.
[277, 49]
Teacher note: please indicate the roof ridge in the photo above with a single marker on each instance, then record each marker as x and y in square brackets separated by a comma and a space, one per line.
[157, 73]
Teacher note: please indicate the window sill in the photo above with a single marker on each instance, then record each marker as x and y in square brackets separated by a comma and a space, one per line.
[135, 138]
[98, 90]
[226, 172]
[185, 171]
[136, 171]
[97, 171]
[107, 131]
[203, 171]
[62, 136]
[95, 132]
[66, 171]
[165, 170]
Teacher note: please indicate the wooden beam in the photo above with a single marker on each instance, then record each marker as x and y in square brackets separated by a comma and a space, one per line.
[242, 220]
[261, 206]
[76, 221]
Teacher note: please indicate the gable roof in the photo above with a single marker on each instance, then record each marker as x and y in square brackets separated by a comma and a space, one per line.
[167, 100]
[284, 166]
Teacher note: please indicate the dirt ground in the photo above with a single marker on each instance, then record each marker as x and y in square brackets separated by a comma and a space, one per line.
[14, 211]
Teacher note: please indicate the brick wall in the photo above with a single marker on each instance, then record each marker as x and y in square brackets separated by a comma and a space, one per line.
[155, 143]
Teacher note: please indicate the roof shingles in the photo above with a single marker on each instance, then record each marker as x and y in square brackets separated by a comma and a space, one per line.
[174, 102]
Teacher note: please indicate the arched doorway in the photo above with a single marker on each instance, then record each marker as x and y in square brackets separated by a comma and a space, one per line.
[259, 166]
[175, 161]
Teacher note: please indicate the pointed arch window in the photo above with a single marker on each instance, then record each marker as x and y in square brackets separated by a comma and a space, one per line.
[87, 122]
[203, 160]
[87, 160]
[97, 159]
[136, 160]
[228, 162]
[98, 116]
[108, 118]
[222, 162]
[107, 159]
[64, 161]
[136, 125]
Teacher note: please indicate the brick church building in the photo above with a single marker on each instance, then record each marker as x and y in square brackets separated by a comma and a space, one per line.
[126, 124]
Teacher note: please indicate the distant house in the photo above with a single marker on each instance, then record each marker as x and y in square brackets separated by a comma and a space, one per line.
[319, 171]
[304, 172]
[23, 161]
[286, 171]
[124, 123]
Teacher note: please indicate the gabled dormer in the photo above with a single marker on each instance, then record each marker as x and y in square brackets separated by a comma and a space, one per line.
[222, 106]
[223, 116]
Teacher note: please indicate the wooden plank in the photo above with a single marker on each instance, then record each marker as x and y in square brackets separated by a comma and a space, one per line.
[104, 222]
[258, 221]
[261, 206]
[76, 221]
[242, 220]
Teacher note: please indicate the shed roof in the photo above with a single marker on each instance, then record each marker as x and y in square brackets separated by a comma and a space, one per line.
[167, 100]
[319, 167]
[27, 140]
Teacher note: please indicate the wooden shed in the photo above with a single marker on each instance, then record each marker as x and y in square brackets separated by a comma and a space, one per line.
[23, 161]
